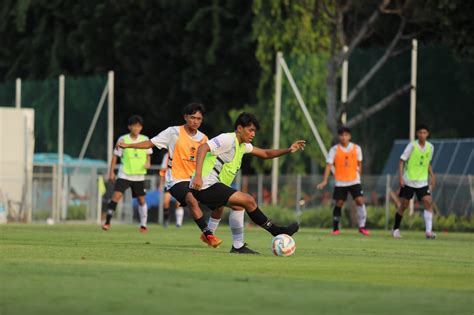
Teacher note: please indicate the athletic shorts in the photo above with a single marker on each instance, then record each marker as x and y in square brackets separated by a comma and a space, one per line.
[138, 188]
[179, 192]
[407, 192]
[215, 196]
[340, 192]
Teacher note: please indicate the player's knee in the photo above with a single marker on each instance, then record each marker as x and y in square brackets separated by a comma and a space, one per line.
[250, 203]
[191, 201]
[339, 203]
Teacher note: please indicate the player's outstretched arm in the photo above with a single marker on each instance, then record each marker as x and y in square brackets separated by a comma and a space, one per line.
[273, 153]
[327, 171]
[432, 177]
[139, 145]
[200, 156]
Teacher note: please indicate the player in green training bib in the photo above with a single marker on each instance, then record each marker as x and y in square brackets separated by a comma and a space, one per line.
[131, 174]
[415, 170]
[217, 164]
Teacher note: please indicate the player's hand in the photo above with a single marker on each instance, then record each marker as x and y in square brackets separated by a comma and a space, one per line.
[112, 177]
[196, 183]
[121, 145]
[322, 184]
[402, 182]
[297, 145]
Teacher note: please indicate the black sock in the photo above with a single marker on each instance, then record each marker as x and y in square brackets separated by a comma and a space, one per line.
[203, 226]
[398, 220]
[261, 219]
[336, 218]
[112, 207]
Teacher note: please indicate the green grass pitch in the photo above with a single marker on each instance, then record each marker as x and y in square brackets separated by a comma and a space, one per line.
[79, 269]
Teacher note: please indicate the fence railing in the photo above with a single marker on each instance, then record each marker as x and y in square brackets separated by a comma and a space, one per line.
[82, 195]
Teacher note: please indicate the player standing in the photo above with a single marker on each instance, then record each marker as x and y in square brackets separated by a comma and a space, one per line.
[217, 163]
[346, 157]
[414, 168]
[179, 210]
[132, 170]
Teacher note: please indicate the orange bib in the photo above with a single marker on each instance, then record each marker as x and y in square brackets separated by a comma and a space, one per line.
[183, 163]
[346, 164]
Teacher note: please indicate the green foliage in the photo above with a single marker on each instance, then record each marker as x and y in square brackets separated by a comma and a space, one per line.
[76, 212]
[292, 28]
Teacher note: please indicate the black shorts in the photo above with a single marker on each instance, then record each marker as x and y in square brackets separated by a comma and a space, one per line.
[340, 193]
[215, 196]
[179, 192]
[407, 192]
[138, 188]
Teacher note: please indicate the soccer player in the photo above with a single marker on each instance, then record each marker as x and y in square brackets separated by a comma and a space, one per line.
[179, 210]
[182, 143]
[414, 168]
[218, 161]
[132, 170]
[346, 158]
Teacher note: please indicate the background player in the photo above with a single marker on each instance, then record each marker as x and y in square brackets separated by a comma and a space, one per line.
[219, 160]
[179, 210]
[132, 170]
[414, 168]
[346, 157]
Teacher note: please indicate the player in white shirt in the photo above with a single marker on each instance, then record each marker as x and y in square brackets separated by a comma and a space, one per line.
[131, 174]
[346, 159]
[217, 164]
[414, 171]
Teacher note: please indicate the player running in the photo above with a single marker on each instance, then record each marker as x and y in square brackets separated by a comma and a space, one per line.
[182, 143]
[217, 163]
[346, 157]
[414, 168]
[132, 170]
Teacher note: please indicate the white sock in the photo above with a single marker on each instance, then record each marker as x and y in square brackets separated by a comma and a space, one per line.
[236, 222]
[179, 213]
[428, 220]
[143, 213]
[361, 215]
[213, 224]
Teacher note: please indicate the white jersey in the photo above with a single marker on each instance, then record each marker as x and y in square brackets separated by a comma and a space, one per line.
[332, 155]
[119, 152]
[222, 146]
[406, 155]
[167, 139]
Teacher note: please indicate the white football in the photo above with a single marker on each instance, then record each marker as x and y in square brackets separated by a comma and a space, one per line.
[283, 245]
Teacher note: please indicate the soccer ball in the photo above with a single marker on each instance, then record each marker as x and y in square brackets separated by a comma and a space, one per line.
[283, 245]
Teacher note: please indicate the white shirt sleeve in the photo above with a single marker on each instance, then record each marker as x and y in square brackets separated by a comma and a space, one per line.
[248, 148]
[221, 144]
[162, 140]
[407, 152]
[359, 154]
[118, 151]
[331, 155]
[432, 153]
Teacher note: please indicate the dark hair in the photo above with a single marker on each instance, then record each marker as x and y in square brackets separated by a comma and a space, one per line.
[245, 120]
[193, 108]
[422, 126]
[135, 119]
[343, 129]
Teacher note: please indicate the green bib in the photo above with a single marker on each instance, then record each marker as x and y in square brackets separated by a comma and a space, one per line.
[225, 171]
[134, 160]
[419, 162]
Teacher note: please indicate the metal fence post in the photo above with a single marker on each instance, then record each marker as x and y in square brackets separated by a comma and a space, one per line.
[387, 200]
[260, 189]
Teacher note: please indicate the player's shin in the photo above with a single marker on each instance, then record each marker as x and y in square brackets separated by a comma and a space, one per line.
[261, 219]
[143, 213]
[110, 212]
[428, 216]
[236, 222]
[361, 215]
[336, 214]
[179, 213]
